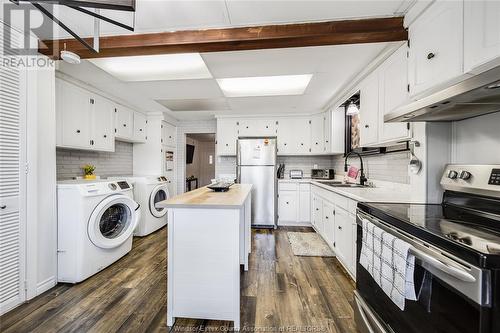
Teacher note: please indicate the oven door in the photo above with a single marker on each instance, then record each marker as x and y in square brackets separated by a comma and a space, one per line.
[452, 297]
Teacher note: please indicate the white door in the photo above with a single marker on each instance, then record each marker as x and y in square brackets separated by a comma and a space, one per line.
[74, 111]
[12, 181]
[159, 193]
[481, 33]
[328, 222]
[168, 134]
[436, 46]
[103, 136]
[304, 203]
[124, 122]
[227, 134]
[337, 145]
[293, 136]
[113, 221]
[393, 93]
[139, 127]
[318, 134]
[287, 206]
[368, 109]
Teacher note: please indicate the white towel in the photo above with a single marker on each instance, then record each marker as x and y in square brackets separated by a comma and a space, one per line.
[389, 262]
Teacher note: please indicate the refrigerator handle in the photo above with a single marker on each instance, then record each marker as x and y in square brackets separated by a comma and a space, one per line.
[238, 174]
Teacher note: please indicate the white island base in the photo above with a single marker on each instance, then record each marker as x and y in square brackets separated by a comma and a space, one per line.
[206, 245]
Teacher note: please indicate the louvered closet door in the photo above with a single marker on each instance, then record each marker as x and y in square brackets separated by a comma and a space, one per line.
[12, 181]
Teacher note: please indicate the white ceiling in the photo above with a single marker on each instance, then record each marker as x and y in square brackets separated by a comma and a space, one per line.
[170, 15]
[332, 67]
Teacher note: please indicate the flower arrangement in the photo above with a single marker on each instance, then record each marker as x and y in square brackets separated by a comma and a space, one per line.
[88, 171]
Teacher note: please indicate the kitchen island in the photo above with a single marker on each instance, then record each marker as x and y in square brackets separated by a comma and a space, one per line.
[208, 240]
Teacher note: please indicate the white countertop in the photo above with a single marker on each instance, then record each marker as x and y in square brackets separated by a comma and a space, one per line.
[388, 192]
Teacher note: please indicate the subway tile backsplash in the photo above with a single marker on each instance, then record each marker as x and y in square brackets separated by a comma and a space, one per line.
[391, 167]
[119, 163]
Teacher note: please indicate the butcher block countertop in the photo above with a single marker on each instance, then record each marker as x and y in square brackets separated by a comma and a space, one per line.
[206, 198]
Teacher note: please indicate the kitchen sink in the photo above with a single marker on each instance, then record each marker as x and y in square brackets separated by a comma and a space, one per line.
[341, 184]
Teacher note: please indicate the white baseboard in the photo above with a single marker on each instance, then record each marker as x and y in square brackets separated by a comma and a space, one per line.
[45, 285]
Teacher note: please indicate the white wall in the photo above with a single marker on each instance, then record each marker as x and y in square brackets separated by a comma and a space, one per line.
[477, 140]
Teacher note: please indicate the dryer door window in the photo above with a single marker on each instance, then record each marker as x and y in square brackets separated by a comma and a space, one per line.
[159, 193]
[113, 221]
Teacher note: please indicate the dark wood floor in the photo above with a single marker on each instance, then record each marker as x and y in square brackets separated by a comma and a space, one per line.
[279, 290]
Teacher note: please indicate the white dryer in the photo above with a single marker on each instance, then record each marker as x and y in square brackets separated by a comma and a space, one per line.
[149, 190]
[95, 223]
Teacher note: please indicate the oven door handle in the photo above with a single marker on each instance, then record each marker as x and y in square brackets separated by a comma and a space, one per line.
[438, 264]
[426, 258]
[365, 312]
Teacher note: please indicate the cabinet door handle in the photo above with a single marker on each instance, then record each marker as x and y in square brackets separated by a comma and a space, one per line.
[431, 55]
[287, 202]
[105, 136]
[340, 228]
[326, 217]
[140, 129]
[367, 126]
[317, 208]
[3, 206]
[301, 144]
[77, 131]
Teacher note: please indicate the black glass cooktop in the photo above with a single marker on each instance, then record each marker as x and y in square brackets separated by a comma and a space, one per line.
[467, 232]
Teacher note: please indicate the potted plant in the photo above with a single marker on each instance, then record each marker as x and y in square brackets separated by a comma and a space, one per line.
[88, 171]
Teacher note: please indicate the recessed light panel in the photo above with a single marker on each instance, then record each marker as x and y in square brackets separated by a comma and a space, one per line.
[265, 85]
[180, 66]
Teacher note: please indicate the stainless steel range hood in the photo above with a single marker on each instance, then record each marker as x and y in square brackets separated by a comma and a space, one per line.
[473, 97]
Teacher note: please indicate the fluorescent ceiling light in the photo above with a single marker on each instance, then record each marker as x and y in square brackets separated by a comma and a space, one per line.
[180, 66]
[265, 85]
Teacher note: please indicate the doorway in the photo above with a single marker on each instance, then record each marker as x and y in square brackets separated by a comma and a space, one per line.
[200, 160]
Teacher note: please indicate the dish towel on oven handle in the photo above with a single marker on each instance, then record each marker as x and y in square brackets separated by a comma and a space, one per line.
[390, 263]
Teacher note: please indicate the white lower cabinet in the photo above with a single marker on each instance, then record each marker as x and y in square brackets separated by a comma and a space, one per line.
[294, 204]
[333, 217]
[329, 222]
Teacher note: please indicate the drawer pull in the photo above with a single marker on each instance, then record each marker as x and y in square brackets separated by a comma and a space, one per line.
[77, 131]
[3, 206]
[431, 55]
[340, 228]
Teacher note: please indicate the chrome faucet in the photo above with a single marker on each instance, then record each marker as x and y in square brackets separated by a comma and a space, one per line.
[362, 178]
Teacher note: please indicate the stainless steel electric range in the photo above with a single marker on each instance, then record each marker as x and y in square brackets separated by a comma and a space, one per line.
[457, 249]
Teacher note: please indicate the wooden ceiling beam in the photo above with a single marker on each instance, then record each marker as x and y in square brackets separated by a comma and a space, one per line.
[237, 39]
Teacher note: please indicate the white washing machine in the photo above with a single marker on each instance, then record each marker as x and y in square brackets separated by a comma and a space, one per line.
[148, 190]
[95, 223]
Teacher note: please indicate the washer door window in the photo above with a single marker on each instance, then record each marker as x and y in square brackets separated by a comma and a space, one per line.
[158, 194]
[113, 221]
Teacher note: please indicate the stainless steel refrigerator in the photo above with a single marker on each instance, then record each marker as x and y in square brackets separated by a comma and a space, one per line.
[256, 164]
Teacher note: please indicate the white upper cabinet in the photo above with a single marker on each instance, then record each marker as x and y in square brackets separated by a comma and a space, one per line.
[84, 120]
[124, 123]
[481, 34]
[140, 122]
[168, 134]
[337, 145]
[393, 92]
[436, 46]
[73, 115]
[227, 134]
[257, 127]
[293, 136]
[103, 116]
[368, 109]
[318, 133]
